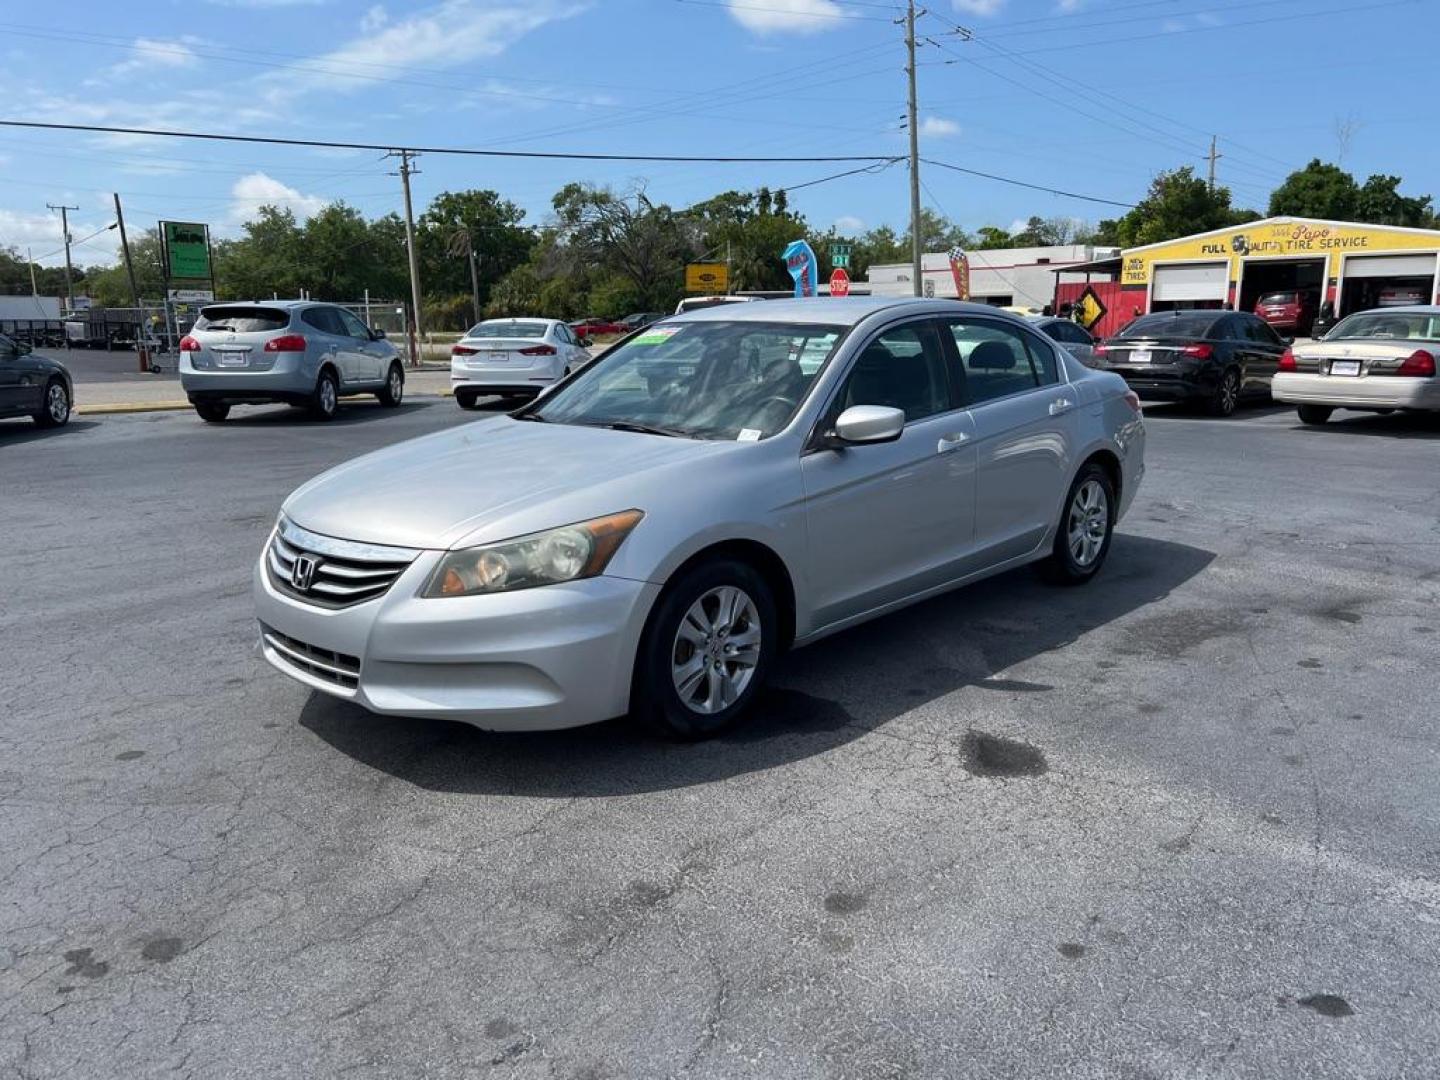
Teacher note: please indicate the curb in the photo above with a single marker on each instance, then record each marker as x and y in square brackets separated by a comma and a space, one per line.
[122, 407]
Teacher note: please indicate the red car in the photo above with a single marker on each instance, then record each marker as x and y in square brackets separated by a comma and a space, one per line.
[595, 327]
[1292, 310]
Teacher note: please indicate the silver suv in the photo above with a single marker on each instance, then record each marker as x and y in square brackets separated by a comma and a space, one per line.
[293, 351]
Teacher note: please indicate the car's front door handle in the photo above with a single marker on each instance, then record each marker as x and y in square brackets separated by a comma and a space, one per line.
[1060, 405]
[950, 442]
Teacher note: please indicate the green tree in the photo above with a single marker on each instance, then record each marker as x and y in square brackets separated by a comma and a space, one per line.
[457, 222]
[1319, 190]
[1380, 202]
[1178, 204]
[645, 242]
[109, 286]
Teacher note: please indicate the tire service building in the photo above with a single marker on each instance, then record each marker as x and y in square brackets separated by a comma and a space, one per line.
[1352, 265]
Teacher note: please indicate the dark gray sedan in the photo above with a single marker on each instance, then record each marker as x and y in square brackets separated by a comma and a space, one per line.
[33, 386]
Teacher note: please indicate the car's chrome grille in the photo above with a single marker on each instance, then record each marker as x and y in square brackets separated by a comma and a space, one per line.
[341, 669]
[331, 573]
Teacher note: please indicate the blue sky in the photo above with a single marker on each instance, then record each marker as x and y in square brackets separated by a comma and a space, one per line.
[1093, 96]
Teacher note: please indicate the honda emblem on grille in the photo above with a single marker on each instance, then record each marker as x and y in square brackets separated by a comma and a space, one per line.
[303, 572]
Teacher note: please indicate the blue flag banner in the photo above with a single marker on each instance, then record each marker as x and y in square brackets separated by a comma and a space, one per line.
[800, 260]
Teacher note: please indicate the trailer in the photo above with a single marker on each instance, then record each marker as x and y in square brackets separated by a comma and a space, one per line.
[103, 328]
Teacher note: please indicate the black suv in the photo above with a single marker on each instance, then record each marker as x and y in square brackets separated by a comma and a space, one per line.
[1213, 357]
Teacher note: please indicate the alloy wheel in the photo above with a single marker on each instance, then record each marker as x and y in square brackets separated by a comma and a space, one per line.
[1088, 521]
[328, 399]
[716, 650]
[57, 403]
[397, 385]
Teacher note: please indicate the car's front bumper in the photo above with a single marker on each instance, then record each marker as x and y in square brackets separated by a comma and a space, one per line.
[1356, 391]
[535, 659]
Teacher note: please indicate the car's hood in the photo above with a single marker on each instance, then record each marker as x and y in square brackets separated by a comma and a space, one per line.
[490, 480]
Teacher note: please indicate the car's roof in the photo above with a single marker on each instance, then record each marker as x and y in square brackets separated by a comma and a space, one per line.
[285, 304]
[834, 311]
[1401, 309]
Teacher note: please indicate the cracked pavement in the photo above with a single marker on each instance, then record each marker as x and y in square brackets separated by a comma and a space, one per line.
[1184, 822]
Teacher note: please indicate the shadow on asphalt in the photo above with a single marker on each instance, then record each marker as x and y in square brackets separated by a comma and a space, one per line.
[15, 432]
[889, 667]
[351, 411]
[1398, 425]
[1194, 410]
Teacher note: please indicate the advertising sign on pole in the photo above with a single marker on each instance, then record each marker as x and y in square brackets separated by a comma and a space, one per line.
[187, 249]
[839, 282]
[800, 260]
[707, 278]
[960, 271]
[839, 256]
[191, 296]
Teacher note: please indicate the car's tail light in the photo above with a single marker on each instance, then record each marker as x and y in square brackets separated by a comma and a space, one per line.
[538, 350]
[1419, 364]
[189, 344]
[1132, 399]
[462, 350]
[1287, 361]
[1102, 350]
[1198, 351]
[286, 343]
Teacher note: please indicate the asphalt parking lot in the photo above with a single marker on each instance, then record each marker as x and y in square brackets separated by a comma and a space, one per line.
[1183, 822]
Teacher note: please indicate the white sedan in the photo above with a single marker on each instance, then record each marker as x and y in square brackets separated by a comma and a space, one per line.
[1374, 361]
[512, 358]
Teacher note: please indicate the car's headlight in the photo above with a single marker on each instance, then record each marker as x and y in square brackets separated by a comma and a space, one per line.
[568, 553]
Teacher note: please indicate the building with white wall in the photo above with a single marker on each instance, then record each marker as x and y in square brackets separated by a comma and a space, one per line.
[1003, 277]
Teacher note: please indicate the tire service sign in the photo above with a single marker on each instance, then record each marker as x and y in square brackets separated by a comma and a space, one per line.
[187, 249]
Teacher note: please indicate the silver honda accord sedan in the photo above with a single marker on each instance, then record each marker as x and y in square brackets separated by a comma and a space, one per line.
[648, 536]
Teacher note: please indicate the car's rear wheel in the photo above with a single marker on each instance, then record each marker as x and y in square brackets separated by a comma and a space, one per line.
[464, 400]
[211, 412]
[1226, 395]
[706, 651]
[55, 406]
[394, 387]
[325, 402]
[1086, 525]
[1314, 414]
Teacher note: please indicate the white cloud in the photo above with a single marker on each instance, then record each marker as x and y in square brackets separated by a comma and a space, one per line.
[979, 7]
[1172, 26]
[937, 127]
[40, 234]
[849, 225]
[447, 35]
[259, 189]
[374, 19]
[779, 16]
[1019, 225]
[151, 53]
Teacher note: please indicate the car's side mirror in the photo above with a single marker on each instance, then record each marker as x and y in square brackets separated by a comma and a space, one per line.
[869, 424]
[584, 342]
[1288, 339]
[377, 334]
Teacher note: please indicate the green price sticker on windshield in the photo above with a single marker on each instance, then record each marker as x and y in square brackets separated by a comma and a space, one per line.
[658, 335]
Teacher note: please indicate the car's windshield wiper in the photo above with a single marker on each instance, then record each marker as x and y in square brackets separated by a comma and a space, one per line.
[534, 418]
[221, 326]
[646, 429]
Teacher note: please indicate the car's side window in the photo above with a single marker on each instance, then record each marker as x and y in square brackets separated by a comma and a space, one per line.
[352, 324]
[1226, 330]
[324, 320]
[1042, 356]
[995, 359]
[1262, 332]
[903, 368]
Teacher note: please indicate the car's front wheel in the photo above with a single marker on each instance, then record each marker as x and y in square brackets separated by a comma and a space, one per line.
[706, 651]
[55, 408]
[1086, 524]
[394, 389]
[325, 401]
[1314, 414]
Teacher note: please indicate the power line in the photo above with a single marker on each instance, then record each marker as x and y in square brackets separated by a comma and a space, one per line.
[1028, 184]
[873, 169]
[274, 140]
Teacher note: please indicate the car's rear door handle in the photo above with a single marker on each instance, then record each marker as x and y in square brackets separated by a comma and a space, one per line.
[950, 442]
[1060, 405]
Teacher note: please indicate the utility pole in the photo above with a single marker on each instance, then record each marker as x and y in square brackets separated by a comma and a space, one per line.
[474, 272]
[916, 241]
[140, 349]
[30, 258]
[65, 228]
[1214, 156]
[406, 170]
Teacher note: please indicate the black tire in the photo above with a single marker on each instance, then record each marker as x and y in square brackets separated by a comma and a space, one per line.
[211, 412]
[325, 402]
[465, 401]
[55, 405]
[1065, 566]
[655, 701]
[394, 390]
[1226, 396]
[1314, 414]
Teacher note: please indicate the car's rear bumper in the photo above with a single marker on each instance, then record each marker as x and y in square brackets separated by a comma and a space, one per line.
[288, 380]
[1356, 392]
[1167, 384]
[535, 659]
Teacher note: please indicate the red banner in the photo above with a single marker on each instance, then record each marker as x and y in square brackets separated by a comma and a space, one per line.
[960, 271]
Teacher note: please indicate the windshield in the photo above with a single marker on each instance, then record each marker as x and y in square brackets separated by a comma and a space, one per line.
[243, 319]
[705, 380]
[1182, 324]
[1280, 298]
[506, 328]
[1388, 326]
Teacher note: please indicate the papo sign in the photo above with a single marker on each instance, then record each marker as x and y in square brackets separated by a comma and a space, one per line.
[707, 277]
[839, 282]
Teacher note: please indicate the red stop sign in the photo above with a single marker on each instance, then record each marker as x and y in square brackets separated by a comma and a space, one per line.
[839, 282]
